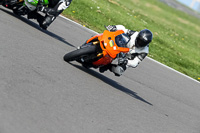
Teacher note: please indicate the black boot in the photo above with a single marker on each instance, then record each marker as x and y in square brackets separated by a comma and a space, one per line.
[40, 20]
[46, 21]
[105, 68]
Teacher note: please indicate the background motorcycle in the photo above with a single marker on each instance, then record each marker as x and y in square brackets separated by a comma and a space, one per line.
[100, 50]
[23, 7]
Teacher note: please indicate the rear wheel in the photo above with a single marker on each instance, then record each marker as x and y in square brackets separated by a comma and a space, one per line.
[74, 55]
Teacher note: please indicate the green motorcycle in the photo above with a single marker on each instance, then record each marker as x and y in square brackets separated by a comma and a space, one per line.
[23, 7]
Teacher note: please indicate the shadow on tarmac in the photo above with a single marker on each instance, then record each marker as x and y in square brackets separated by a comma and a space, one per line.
[89, 71]
[111, 83]
[36, 26]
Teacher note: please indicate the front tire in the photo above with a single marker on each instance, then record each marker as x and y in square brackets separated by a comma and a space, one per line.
[71, 56]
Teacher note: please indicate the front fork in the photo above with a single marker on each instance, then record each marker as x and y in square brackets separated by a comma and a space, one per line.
[93, 57]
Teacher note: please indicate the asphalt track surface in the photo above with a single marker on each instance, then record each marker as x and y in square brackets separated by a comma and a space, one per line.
[40, 93]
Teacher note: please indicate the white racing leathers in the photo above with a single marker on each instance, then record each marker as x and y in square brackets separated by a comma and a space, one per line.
[135, 55]
[54, 8]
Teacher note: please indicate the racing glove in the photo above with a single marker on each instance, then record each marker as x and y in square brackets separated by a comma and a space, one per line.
[130, 32]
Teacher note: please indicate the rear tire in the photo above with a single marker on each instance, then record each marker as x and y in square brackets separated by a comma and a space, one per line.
[71, 56]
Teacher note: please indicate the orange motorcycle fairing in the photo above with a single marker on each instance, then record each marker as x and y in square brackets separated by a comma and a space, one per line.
[94, 37]
[109, 47]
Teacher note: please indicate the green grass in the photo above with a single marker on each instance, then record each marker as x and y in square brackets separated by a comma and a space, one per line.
[176, 41]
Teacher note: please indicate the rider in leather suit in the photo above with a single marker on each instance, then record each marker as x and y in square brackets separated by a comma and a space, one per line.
[54, 8]
[139, 48]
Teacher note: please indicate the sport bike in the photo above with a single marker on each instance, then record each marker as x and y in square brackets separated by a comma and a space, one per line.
[100, 50]
[23, 7]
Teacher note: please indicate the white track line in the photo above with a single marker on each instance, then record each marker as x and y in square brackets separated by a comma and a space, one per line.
[147, 57]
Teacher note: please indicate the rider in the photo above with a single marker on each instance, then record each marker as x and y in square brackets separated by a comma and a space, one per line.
[55, 7]
[139, 48]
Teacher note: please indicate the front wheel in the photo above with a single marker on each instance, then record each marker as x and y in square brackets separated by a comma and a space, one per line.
[74, 55]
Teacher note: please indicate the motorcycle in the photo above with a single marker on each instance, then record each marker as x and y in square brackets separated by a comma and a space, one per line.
[100, 50]
[23, 7]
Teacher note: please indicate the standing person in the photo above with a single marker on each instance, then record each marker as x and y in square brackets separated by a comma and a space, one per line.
[139, 48]
[55, 7]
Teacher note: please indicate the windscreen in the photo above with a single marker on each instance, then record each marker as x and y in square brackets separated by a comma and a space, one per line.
[122, 40]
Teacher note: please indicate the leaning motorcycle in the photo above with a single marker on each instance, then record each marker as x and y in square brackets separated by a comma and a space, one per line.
[100, 50]
[23, 7]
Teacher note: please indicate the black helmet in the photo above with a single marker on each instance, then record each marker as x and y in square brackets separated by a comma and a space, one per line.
[144, 38]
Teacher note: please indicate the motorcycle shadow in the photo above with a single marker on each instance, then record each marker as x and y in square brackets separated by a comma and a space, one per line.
[111, 82]
[36, 26]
